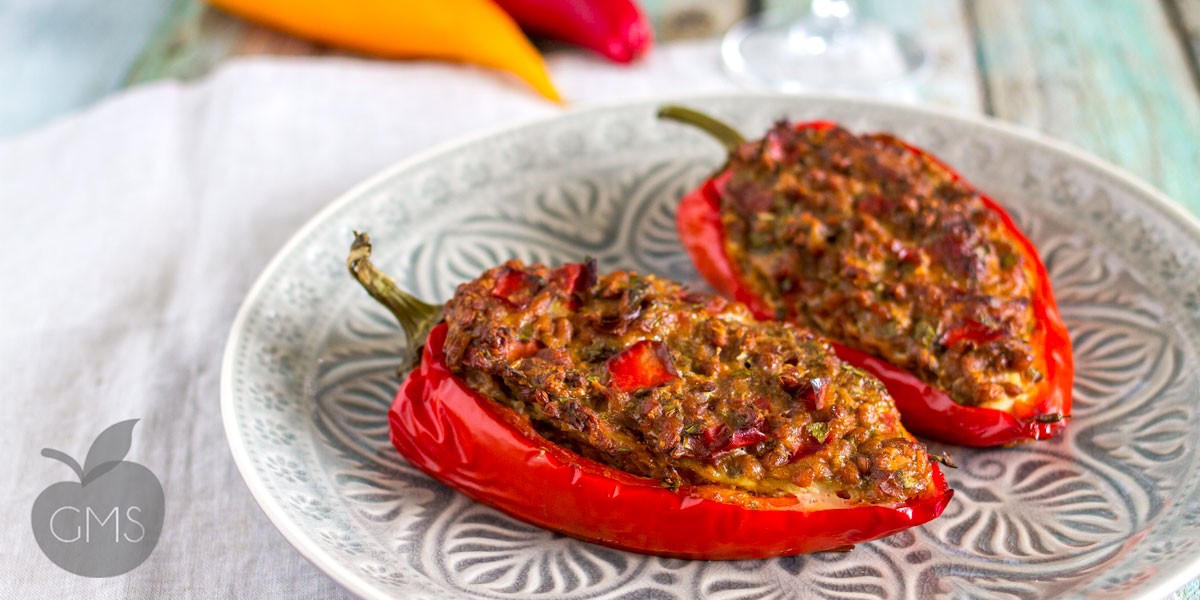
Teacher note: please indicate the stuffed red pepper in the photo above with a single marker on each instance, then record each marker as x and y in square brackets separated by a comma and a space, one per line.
[918, 277]
[625, 410]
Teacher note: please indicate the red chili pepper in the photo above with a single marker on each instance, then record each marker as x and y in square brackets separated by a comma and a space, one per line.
[745, 437]
[615, 28]
[814, 391]
[511, 288]
[924, 409]
[716, 437]
[970, 331]
[575, 277]
[643, 365]
[493, 455]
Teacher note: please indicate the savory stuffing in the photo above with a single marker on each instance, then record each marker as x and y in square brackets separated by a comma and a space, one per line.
[885, 250]
[643, 375]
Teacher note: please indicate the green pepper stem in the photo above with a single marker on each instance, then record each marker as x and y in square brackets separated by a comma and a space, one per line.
[415, 316]
[728, 136]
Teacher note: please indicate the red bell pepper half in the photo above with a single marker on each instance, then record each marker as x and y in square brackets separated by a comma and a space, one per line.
[925, 410]
[493, 455]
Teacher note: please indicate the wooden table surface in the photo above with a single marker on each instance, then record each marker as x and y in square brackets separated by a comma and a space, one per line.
[1118, 78]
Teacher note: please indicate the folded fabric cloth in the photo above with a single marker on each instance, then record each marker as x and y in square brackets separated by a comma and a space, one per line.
[132, 232]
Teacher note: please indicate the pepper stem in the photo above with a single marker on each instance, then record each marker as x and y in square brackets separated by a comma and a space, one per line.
[415, 316]
[728, 136]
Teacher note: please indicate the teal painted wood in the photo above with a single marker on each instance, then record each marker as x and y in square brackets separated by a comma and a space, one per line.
[57, 56]
[1109, 77]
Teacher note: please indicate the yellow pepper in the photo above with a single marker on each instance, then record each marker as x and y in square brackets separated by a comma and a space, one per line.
[476, 31]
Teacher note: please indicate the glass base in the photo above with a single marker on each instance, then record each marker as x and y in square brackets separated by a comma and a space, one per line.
[811, 55]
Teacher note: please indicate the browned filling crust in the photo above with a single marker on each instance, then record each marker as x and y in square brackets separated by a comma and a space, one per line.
[883, 249]
[637, 373]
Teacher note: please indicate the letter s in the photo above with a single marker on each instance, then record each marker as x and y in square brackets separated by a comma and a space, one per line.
[129, 517]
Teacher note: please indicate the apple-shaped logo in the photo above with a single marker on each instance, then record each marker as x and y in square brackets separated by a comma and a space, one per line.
[109, 521]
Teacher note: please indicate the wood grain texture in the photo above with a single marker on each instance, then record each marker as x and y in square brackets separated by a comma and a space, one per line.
[1107, 77]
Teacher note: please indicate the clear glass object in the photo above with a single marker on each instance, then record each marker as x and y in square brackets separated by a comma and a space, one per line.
[828, 49]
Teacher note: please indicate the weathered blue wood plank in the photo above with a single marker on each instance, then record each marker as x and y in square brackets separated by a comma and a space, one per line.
[1109, 77]
[57, 56]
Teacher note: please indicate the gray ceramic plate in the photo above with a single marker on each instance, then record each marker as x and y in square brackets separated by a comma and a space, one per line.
[1110, 510]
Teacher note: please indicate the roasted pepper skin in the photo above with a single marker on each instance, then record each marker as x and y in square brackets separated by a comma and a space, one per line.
[924, 409]
[488, 452]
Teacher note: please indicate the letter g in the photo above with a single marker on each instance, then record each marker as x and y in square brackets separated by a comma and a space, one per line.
[78, 531]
